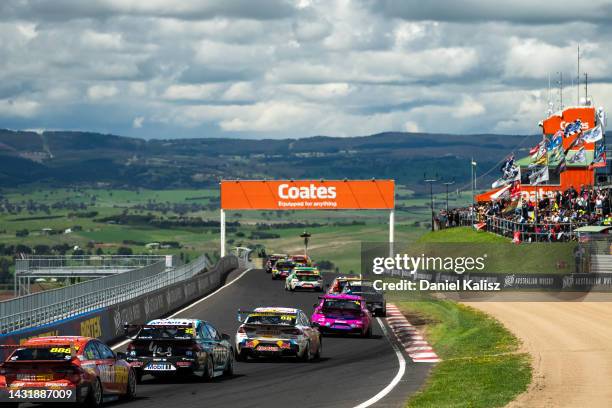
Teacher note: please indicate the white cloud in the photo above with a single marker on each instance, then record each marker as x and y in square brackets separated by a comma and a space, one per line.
[98, 92]
[287, 68]
[18, 107]
[138, 122]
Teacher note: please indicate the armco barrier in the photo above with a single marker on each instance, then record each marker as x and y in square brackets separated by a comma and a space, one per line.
[107, 323]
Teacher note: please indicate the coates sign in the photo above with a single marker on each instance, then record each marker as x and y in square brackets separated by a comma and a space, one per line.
[308, 195]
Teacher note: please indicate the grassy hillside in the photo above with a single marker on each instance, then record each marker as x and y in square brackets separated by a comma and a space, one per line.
[89, 159]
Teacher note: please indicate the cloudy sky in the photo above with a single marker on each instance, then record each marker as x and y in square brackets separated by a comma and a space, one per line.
[294, 68]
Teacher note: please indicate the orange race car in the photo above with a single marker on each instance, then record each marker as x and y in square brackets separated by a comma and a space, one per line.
[301, 260]
[337, 286]
[64, 369]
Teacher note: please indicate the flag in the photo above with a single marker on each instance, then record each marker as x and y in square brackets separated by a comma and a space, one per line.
[555, 141]
[508, 164]
[593, 135]
[578, 157]
[535, 149]
[572, 128]
[599, 160]
[562, 166]
[538, 175]
[541, 160]
[515, 191]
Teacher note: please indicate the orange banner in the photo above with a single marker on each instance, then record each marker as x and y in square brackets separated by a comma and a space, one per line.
[308, 195]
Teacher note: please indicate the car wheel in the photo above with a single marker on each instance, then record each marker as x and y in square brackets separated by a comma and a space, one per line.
[229, 367]
[95, 396]
[242, 356]
[306, 355]
[317, 356]
[368, 333]
[131, 386]
[138, 374]
[208, 372]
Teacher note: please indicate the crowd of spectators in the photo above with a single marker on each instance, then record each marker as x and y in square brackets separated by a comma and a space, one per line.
[552, 218]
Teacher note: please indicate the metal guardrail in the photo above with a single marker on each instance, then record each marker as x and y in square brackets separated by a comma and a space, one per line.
[54, 305]
[86, 261]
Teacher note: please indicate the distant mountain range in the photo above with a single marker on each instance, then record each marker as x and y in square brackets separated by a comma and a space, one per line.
[61, 158]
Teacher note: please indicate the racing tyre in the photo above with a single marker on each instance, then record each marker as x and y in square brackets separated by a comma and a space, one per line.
[208, 372]
[131, 386]
[138, 374]
[368, 333]
[95, 396]
[242, 356]
[229, 367]
[317, 356]
[306, 356]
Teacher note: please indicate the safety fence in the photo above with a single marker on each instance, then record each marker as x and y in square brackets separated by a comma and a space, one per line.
[54, 305]
[528, 232]
[106, 323]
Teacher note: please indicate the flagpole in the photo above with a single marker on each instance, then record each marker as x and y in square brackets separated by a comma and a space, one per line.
[472, 181]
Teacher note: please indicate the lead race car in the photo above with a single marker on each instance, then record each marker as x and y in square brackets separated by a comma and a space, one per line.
[342, 314]
[305, 278]
[165, 347]
[276, 332]
[64, 369]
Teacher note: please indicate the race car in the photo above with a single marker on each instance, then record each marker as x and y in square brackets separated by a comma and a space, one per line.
[276, 332]
[165, 347]
[342, 314]
[303, 277]
[375, 300]
[282, 269]
[301, 260]
[338, 284]
[65, 369]
[271, 261]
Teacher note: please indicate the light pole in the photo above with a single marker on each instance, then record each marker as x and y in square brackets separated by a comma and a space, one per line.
[306, 237]
[448, 183]
[473, 166]
[431, 181]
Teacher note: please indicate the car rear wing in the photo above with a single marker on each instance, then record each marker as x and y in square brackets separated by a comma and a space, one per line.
[137, 328]
[68, 346]
[242, 315]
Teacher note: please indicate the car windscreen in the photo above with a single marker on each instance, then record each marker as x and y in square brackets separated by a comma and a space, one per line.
[359, 289]
[271, 318]
[284, 265]
[308, 278]
[55, 353]
[344, 304]
[166, 332]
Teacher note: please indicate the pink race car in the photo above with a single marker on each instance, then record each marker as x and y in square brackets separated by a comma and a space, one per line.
[342, 313]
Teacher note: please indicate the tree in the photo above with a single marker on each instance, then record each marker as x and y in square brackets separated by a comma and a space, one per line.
[124, 251]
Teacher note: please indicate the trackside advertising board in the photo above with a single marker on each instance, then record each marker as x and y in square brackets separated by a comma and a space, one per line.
[308, 195]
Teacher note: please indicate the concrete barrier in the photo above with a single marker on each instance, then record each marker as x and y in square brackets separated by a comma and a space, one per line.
[106, 324]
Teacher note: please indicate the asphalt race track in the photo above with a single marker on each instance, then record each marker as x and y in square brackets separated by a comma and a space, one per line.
[351, 371]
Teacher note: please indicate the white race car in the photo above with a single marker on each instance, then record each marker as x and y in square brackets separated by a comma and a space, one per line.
[277, 331]
[305, 278]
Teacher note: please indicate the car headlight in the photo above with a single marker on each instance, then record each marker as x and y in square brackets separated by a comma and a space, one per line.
[321, 319]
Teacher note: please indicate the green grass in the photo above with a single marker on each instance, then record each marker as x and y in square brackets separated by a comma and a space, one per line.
[462, 234]
[481, 364]
[502, 255]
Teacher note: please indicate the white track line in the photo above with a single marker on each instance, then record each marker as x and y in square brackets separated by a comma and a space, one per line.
[124, 342]
[398, 376]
